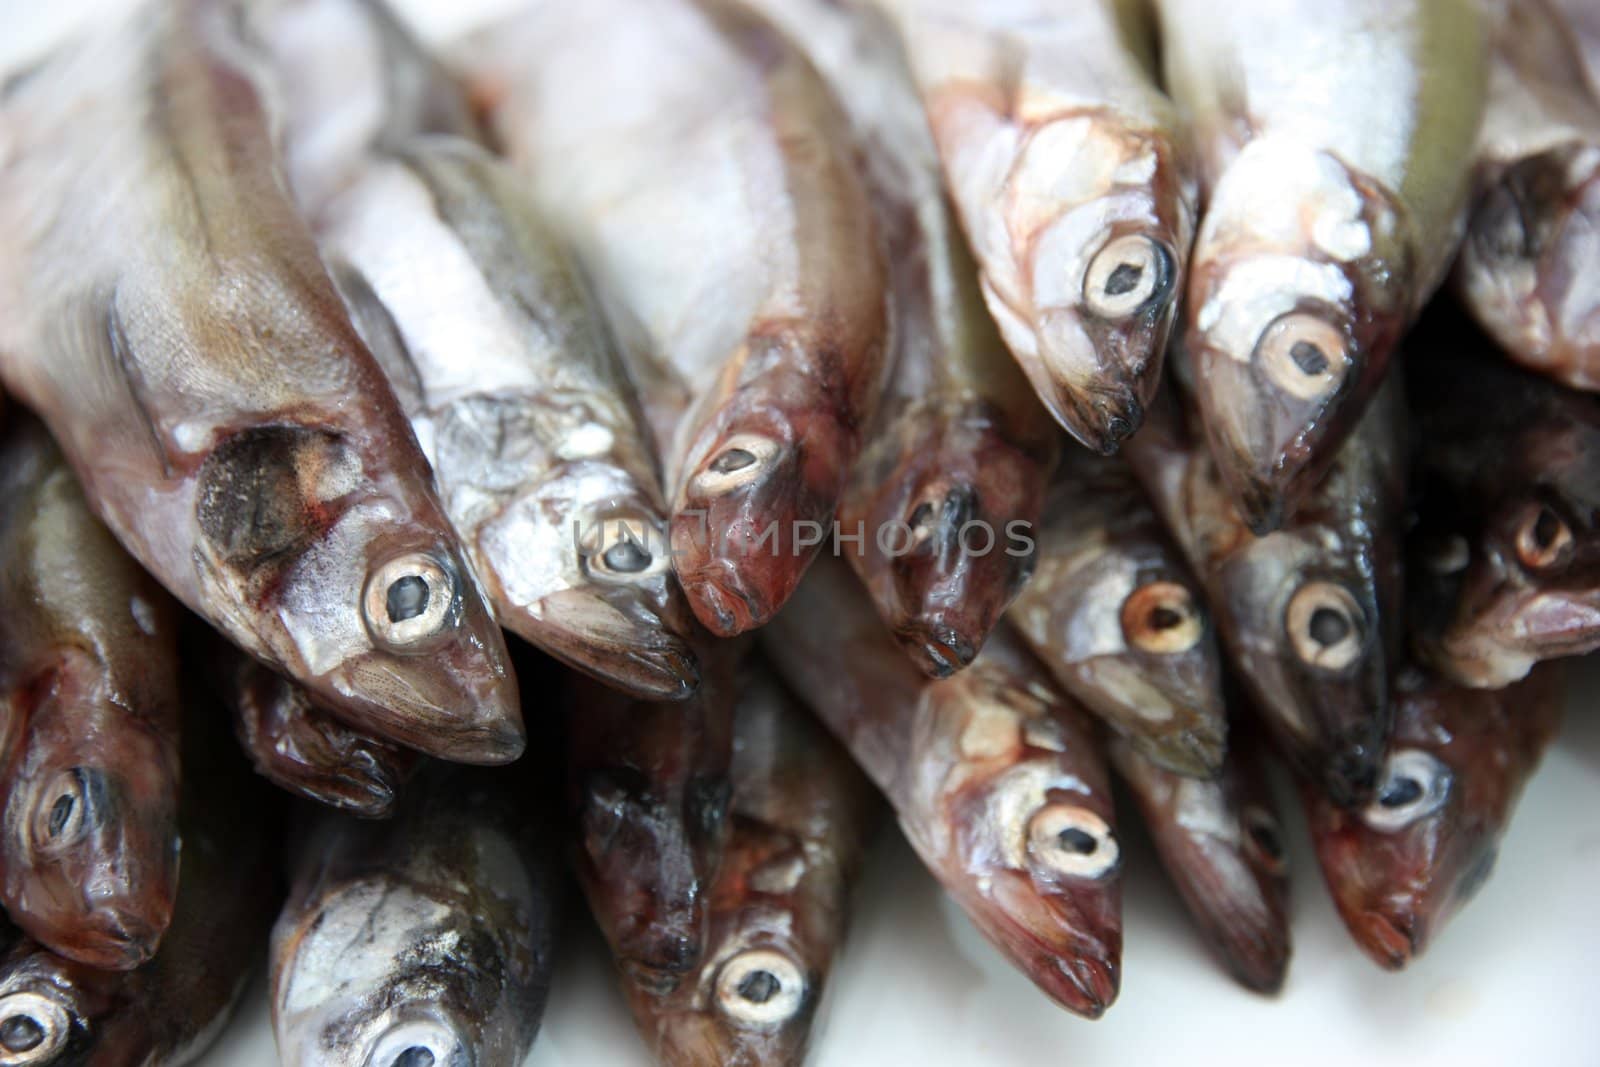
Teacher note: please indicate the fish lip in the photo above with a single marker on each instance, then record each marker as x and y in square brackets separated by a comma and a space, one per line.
[1102, 421]
[723, 605]
[939, 650]
[1260, 972]
[1083, 985]
[117, 939]
[1391, 941]
[638, 658]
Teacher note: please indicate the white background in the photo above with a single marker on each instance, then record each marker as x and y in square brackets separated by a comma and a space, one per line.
[1511, 981]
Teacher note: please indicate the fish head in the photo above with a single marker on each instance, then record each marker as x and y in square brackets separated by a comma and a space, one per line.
[357, 586]
[1309, 646]
[425, 989]
[48, 1008]
[1299, 288]
[945, 534]
[762, 477]
[1012, 811]
[1105, 273]
[1526, 264]
[90, 838]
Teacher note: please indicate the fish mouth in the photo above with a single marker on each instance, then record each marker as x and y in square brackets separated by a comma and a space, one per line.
[1484, 654]
[1084, 986]
[438, 711]
[1391, 940]
[1258, 959]
[723, 603]
[1100, 420]
[633, 651]
[364, 787]
[939, 650]
[111, 939]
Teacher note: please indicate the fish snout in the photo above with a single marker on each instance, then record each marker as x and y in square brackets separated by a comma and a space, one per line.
[617, 636]
[1392, 940]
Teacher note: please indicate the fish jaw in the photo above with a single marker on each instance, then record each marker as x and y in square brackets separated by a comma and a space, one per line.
[956, 515]
[1525, 265]
[604, 637]
[1294, 311]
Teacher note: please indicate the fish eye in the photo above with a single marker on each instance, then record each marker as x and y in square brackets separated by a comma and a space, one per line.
[943, 506]
[1544, 540]
[1414, 784]
[1265, 839]
[623, 552]
[63, 813]
[1162, 618]
[1304, 356]
[743, 459]
[1127, 275]
[33, 1028]
[1073, 841]
[1325, 626]
[409, 601]
[760, 988]
[415, 1044]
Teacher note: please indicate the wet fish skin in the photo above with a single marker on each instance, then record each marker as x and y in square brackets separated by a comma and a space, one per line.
[769, 342]
[168, 1010]
[952, 473]
[802, 814]
[1524, 270]
[1075, 186]
[166, 313]
[1326, 225]
[89, 732]
[648, 788]
[1399, 868]
[299, 747]
[1115, 615]
[429, 935]
[997, 781]
[1222, 846]
[1504, 560]
[1308, 614]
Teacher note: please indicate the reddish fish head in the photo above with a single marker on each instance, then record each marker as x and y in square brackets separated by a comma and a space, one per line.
[1011, 810]
[1300, 286]
[761, 480]
[1527, 265]
[947, 533]
[360, 590]
[90, 838]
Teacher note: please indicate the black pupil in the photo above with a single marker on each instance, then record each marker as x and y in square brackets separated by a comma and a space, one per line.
[734, 459]
[1073, 839]
[758, 987]
[1165, 618]
[408, 598]
[1124, 279]
[60, 812]
[1400, 792]
[1266, 839]
[20, 1033]
[626, 556]
[415, 1056]
[1308, 357]
[1329, 627]
[1546, 528]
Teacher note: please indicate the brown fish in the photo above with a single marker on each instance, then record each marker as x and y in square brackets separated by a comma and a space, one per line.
[1308, 614]
[1526, 270]
[1335, 193]
[997, 780]
[951, 478]
[1073, 181]
[297, 746]
[1114, 614]
[709, 184]
[648, 784]
[801, 816]
[1222, 847]
[164, 310]
[58, 1013]
[1401, 866]
[1505, 557]
[89, 728]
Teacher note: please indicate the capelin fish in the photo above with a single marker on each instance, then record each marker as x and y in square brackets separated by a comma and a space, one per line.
[299, 747]
[89, 732]
[997, 780]
[1222, 847]
[802, 813]
[1335, 193]
[704, 129]
[1114, 613]
[165, 311]
[1526, 267]
[55, 1012]
[1308, 614]
[1074, 185]
[1400, 867]
[950, 480]
[1504, 559]
[648, 787]
[422, 940]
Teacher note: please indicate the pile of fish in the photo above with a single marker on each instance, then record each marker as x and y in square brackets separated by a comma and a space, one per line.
[955, 404]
